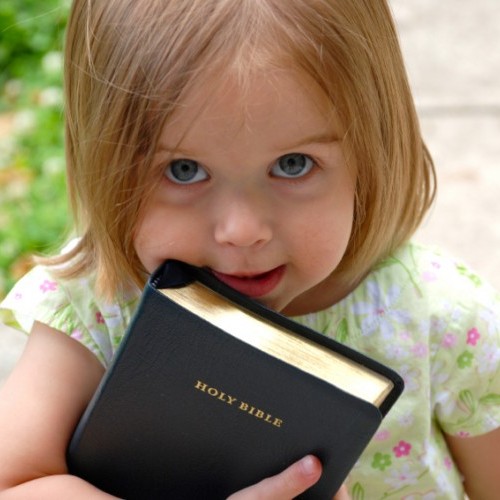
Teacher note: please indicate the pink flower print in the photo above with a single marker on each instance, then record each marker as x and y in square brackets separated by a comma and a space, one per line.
[382, 435]
[463, 434]
[449, 340]
[448, 463]
[429, 276]
[406, 335]
[473, 336]
[419, 350]
[402, 449]
[99, 318]
[48, 286]
[18, 296]
[77, 334]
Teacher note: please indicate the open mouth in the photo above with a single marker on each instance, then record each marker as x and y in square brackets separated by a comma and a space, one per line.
[253, 285]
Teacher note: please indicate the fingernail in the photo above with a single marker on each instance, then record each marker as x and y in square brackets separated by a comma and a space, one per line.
[309, 465]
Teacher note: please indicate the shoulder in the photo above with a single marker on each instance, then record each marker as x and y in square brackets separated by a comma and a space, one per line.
[413, 288]
[428, 314]
[38, 290]
[422, 289]
[71, 306]
[433, 280]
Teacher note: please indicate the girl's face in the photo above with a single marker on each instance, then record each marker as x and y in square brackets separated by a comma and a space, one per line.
[255, 188]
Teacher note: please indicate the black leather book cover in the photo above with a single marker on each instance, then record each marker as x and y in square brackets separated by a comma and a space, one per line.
[189, 411]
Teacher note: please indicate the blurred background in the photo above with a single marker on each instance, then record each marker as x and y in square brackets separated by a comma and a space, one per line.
[33, 211]
[451, 48]
[453, 61]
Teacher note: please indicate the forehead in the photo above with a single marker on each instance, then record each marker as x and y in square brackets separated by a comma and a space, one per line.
[264, 101]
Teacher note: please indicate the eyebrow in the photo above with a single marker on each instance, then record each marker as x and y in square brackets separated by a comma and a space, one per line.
[165, 148]
[321, 138]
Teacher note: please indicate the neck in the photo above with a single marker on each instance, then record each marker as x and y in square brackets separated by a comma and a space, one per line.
[326, 294]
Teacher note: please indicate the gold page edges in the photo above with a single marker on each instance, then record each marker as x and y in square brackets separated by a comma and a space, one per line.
[282, 343]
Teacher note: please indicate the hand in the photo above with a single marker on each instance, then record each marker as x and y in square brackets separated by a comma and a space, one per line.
[288, 484]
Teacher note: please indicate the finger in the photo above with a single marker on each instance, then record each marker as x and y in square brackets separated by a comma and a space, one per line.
[342, 494]
[286, 485]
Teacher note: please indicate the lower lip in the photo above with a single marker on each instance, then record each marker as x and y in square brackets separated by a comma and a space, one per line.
[256, 286]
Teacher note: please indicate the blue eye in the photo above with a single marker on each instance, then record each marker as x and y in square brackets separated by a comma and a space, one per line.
[185, 172]
[292, 165]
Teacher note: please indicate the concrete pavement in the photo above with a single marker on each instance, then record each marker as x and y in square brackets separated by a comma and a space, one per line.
[453, 61]
[452, 56]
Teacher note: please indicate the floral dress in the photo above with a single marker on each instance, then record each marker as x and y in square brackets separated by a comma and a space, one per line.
[419, 311]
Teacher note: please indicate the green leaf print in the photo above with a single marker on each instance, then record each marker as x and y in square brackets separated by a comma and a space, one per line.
[117, 341]
[490, 399]
[390, 261]
[358, 492]
[342, 331]
[464, 271]
[381, 461]
[468, 401]
[465, 360]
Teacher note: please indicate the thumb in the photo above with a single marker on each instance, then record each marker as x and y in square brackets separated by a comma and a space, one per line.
[284, 486]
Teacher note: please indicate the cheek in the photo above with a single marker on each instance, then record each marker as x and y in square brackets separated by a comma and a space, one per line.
[324, 234]
[146, 244]
[165, 234]
[324, 246]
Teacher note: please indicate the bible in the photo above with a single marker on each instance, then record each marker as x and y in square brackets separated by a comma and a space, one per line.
[211, 392]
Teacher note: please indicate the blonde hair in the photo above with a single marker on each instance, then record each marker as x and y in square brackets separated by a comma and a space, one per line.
[129, 63]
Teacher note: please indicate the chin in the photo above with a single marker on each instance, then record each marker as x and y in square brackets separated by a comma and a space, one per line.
[278, 305]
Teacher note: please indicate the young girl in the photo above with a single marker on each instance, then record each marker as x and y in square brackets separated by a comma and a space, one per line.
[275, 143]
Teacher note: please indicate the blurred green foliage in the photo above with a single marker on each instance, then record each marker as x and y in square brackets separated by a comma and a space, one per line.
[33, 206]
[29, 29]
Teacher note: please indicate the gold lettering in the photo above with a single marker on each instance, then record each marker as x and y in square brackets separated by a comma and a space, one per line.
[200, 386]
[230, 400]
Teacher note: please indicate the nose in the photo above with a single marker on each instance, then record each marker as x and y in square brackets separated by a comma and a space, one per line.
[242, 222]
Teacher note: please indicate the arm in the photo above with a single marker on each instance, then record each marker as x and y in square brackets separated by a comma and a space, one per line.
[478, 459]
[39, 406]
